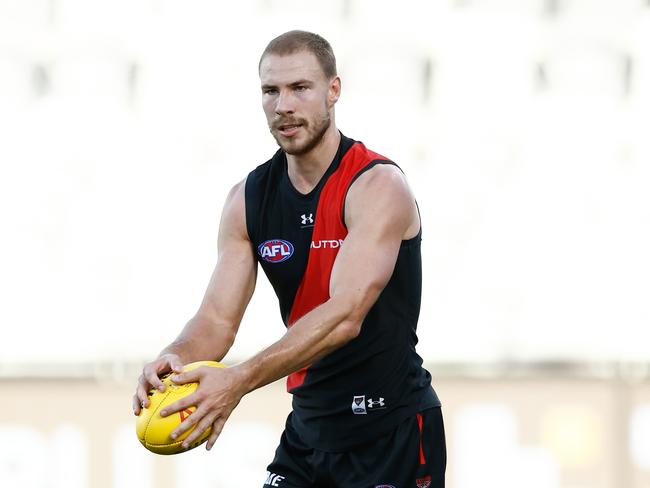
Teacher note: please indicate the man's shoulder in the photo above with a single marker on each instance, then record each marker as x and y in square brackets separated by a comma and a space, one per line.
[380, 176]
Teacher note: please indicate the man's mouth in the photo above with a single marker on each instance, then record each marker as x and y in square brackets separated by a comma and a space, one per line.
[288, 129]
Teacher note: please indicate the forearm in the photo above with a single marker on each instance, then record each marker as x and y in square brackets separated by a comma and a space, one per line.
[202, 339]
[321, 331]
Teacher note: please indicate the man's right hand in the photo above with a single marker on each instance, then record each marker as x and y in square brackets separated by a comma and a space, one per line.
[150, 378]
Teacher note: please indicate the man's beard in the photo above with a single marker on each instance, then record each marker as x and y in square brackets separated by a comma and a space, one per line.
[314, 136]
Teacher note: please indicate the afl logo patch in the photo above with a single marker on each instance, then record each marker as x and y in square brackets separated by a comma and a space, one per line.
[275, 250]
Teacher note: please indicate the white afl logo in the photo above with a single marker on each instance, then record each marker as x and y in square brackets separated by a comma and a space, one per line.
[275, 250]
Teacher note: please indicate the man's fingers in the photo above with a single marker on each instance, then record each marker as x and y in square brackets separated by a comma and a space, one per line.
[177, 366]
[182, 404]
[201, 427]
[188, 377]
[142, 393]
[164, 365]
[151, 375]
[141, 399]
[217, 427]
[136, 405]
[193, 419]
[212, 439]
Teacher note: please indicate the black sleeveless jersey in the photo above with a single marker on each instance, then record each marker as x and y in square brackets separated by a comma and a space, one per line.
[372, 383]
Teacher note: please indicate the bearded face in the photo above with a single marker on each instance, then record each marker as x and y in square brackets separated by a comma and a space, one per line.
[297, 100]
[298, 136]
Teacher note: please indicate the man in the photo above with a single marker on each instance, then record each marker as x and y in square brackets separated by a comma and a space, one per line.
[336, 229]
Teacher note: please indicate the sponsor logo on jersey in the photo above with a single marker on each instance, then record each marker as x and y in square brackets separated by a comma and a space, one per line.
[423, 482]
[275, 250]
[273, 479]
[327, 244]
[307, 219]
[376, 404]
[384, 486]
[359, 405]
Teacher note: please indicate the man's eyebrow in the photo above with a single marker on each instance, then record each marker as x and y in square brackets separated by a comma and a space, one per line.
[266, 86]
[301, 82]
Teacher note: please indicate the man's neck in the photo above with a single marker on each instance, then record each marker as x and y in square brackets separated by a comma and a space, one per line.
[306, 170]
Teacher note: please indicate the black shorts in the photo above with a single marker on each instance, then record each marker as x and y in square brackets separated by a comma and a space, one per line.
[414, 455]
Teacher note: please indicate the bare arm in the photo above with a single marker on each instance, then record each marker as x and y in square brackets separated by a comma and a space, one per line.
[211, 332]
[380, 213]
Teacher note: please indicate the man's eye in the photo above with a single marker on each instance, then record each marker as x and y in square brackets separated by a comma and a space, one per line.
[301, 88]
[269, 91]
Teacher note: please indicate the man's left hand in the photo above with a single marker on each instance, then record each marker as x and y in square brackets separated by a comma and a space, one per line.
[219, 392]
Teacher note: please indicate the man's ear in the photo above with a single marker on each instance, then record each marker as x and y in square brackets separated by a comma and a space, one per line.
[334, 91]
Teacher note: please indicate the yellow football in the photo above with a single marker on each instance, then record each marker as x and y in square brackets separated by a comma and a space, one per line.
[153, 430]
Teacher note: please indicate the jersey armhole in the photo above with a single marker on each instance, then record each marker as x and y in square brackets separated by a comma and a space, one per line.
[369, 166]
[248, 212]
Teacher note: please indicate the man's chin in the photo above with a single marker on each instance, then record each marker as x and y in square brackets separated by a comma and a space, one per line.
[301, 144]
[293, 148]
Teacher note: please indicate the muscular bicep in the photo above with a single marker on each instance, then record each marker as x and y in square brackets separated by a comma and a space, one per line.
[233, 280]
[380, 212]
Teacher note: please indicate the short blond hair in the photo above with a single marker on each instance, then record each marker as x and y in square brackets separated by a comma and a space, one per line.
[297, 40]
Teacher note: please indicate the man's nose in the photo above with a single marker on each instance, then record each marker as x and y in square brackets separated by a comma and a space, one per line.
[285, 104]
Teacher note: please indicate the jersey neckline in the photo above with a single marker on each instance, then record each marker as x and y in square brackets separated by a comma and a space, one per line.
[344, 145]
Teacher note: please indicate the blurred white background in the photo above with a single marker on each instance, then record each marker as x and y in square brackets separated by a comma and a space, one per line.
[522, 125]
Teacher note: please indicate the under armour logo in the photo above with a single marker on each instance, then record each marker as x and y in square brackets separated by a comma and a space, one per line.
[307, 219]
[376, 403]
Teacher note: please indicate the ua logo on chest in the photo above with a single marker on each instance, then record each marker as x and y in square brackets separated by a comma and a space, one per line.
[307, 220]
